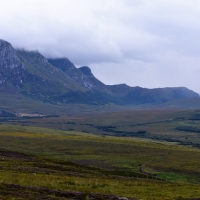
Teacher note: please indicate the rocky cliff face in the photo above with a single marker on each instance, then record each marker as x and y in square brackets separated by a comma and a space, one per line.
[32, 74]
[8, 56]
[12, 70]
[59, 81]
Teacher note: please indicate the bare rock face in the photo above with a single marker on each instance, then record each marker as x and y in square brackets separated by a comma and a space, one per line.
[11, 69]
[31, 73]
[8, 56]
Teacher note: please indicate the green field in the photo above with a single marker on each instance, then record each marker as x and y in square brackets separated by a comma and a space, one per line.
[39, 163]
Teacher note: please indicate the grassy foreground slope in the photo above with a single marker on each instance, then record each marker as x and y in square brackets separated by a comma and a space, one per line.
[46, 163]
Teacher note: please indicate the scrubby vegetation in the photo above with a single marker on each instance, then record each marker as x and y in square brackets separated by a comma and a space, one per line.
[134, 154]
[42, 163]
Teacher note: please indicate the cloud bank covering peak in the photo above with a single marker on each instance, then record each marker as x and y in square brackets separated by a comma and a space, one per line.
[147, 43]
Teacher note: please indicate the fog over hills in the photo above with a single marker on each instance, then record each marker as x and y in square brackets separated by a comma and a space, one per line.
[59, 81]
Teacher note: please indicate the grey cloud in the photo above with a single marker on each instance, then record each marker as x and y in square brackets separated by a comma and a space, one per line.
[142, 42]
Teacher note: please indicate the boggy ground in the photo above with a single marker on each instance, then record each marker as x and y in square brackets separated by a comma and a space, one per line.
[41, 163]
[18, 164]
[40, 193]
[181, 126]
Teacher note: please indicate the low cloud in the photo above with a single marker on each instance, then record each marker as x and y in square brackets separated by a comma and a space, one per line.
[150, 43]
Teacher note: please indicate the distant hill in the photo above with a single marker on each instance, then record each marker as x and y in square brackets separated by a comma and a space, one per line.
[58, 81]
[140, 95]
[191, 103]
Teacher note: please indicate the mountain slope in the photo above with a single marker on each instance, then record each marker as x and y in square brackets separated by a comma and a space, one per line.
[59, 81]
[32, 74]
[118, 94]
[82, 75]
[140, 95]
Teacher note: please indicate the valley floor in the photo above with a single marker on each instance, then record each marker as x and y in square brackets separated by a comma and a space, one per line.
[43, 163]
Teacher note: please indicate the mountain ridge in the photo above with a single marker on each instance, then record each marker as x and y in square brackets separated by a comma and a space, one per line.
[59, 81]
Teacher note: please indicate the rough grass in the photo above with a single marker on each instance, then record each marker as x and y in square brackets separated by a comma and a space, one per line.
[75, 161]
[107, 152]
[163, 125]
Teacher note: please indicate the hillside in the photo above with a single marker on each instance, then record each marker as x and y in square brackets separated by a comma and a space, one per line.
[58, 81]
[41, 163]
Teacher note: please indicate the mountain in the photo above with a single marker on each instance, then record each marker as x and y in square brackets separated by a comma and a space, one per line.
[32, 74]
[83, 75]
[58, 81]
[140, 95]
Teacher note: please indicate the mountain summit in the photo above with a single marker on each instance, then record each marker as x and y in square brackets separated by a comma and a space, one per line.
[58, 81]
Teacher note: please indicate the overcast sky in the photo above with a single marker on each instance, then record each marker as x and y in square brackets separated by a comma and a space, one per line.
[147, 43]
